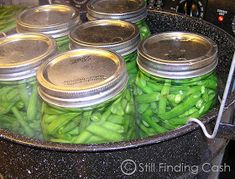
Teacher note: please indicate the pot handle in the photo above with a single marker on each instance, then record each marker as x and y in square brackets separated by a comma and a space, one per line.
[218, 123]
[226, 131]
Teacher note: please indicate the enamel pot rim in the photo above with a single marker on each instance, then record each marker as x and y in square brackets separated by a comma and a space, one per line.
[208, 118]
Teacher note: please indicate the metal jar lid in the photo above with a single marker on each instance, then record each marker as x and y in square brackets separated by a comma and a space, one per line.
[82, 78]
[177, 55]
[132, 11]
[120, 36]
[55, 20]
[22, 54]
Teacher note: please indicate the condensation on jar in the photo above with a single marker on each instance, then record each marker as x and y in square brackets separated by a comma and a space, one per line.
[54, 20]
[176, 80]
[86, 98]
[20, 105]
[116, 35]
[132, 11]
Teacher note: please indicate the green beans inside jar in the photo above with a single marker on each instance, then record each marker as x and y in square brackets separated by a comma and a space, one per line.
[176, 80]
[20, 57]
[86, 99]
[54, 20]
[132, 11]
[124, 40]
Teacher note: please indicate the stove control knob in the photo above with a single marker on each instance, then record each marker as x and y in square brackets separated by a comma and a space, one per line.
[192, 8]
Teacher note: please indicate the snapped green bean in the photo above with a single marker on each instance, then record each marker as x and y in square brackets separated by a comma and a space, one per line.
[164, 104]
[109, 122]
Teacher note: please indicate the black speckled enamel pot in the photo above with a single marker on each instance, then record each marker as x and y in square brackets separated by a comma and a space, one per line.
[187, 146]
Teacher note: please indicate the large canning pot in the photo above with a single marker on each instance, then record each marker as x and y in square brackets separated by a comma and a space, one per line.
[186, 146]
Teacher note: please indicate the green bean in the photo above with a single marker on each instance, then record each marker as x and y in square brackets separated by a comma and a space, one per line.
[166, 124]
[12, 95]
[163, 98]
[131, 65]
[189, 112]
[63, 43]
[117, 109]
[113, 127]
[96, 116]
[83, 137]
[155, 87]
[144, 29]
[61, 121]
[142, 108]
[199, 103]
[49, 118]
[116, 119]
[106, 115]
[148, 98]
[32, 107]
[5, 90]
[145, 131]
[21, 120]
[22, 88]
[127, 123]
[184, 120]
[157, 128]
[129, 108]
[104, 132]
[6, 107]
[86, 119]
[180, 109]
[142, 84]
[69, 127]
[74, 132]
[206, 106]
[205, 96]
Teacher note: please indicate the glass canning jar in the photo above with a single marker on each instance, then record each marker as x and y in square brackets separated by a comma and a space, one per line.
[134, 11]
[54, 20]
[20, 57]
[176, 80]
[116, 35]
[86, 98]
